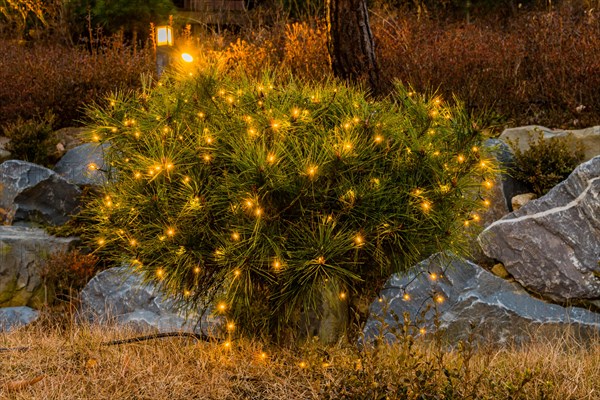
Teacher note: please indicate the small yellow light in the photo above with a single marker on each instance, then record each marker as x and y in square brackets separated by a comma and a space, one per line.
[114, 130]
[378, 139]
[186, 179]
[426, 206]
[206, 157]
[346, 125]
[482, 164]
[160, 273]
[237, 273]
[439, 299]
[296, 112]
[230, 326]
[380, 299]
[422, 331]
[235, 236]
[169, 166]
[230, 99]
[196, 270]
[260, 103]
[312, 171]
[227, 345]
[187, 57]
[274, 124]
[92, 167]
[343, 295]
[263, 355]
[433, 113]
[302, 364]
[444, 188]
[222, 307]
[170, 232]
[348, 146]
[276, 264]
[436, 153]
[137, 134]
[488, 184]
[433, 276]
[359, 240]
[406, 297]
[209, 140]
[461, 158]
[321, 260]
[101, 242]
[201, 114]
[486, 203]
[476, 217]
[187, 293]
[271, 158]
[475, 149]
[258, 212]
[248, 203]
[466, 223]
[133, 243]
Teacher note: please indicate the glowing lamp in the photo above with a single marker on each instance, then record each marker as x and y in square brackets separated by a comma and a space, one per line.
[164, 36]
[187, 57]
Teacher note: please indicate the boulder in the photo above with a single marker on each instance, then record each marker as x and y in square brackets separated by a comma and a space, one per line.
[501, 194]
[32, 193]
[590, 137]
[552, 245]
[469, 303]
[119, 295]
[21, 252]
[84, 165]
[14, 317]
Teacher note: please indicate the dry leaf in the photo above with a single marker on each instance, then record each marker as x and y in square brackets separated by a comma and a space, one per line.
[22, 384]
[91, 363]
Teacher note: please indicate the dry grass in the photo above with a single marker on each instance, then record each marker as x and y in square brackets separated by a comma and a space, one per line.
[71, 363]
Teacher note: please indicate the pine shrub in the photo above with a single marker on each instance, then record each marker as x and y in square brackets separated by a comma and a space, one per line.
[255, 195]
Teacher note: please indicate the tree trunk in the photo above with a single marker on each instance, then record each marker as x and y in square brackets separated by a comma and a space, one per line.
[350, 42]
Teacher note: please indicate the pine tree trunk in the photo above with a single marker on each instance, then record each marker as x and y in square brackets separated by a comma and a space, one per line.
[350, 42]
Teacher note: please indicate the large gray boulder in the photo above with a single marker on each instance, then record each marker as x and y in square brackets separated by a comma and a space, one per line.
[14, 317]
[84, 165]
[552, 244]
[118, 295]
[30, 193]
[22, 250]
[589, 137]
[469, 302]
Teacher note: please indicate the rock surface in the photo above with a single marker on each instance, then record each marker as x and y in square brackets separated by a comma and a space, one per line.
[471, 302]
[83, 165]
[118, 295]
[552, 245]
[590, 137]
[14, 317]
[521, 199]
[21, 250]
[32, 193]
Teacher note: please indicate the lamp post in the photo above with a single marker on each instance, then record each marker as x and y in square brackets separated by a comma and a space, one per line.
[164, 43]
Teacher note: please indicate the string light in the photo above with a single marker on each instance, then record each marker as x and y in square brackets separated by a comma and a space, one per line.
[405, 297]
[302, 364]
[461, 158]
[230, 326]
[312, 171]
[92, 167]
[235, 236]
[237, 273]
[187, 293]
[276, 265]
[263, 355]
[359, 240]
[475, 149]
[486, 202]
[271, 158]
[160, 273]
[321, 260]
[258, 211]
[206, 158]
[439, 299]
[488, 184]
[222, 307]
[197, 270]
[426, 206]
[343, 295]
[422, 331]
[170, 232]
[101, 241]
[433, 276]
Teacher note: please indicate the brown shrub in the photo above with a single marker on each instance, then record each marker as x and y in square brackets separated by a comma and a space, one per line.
[536, 67]
[42, 77]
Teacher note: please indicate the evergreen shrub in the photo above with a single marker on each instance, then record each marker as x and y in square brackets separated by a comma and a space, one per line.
[546, 162]
[255, 195]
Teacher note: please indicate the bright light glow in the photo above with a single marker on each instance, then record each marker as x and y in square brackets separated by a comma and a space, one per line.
[426, 206]
[160, 273]
[196, 270]
[321, 260]
[488, 184]
[276, 264]
[271, 158]
[230, 326]
[439, 299]
[235, 236]
[164, 36]
[187, 57]
[461, 158]
[237, 272]
[170, 232]
[406, 297]
[359, 240]
[222, 307]
[433, 276]
[92, 167]
[378, 139]
[312, 171]
[343, 296]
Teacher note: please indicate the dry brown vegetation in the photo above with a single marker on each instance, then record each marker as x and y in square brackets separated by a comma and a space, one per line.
[71, 363]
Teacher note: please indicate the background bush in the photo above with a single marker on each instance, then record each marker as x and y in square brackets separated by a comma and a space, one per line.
[45, 77]
[546, 162]
[265, 193]
[32, 140]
